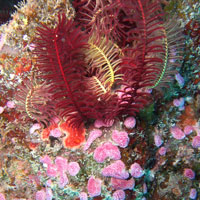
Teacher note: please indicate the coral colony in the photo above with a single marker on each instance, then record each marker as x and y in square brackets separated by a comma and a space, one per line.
[99, 99]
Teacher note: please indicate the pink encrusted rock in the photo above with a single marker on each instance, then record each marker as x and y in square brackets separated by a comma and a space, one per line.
[136, 170]
[63, 180]
[119, 195]
[158, 140]
[94, 186]
[177, 133]
[130, 122]
[73, 168]
[116, 170]
[120, 184]
[106, 150]
[196, 142]
[121, 138]
[46, 160]
[83, 196]
[40, 195]
[52, 171]
[56, 133]
[2, 197]
[94, 134]
[61, 164]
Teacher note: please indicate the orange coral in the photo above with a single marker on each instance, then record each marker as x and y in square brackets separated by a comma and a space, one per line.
[32, 145]
[46, 132]
[23, 65]
[187, 117]
[74, 137]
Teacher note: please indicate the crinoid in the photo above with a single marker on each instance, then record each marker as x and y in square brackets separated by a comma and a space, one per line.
[34, 101]
[173, 43]
[101, 17]
[61, 61]
[102, 64]
[103, 59]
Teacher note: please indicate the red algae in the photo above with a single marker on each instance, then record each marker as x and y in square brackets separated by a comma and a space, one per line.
[74, 136]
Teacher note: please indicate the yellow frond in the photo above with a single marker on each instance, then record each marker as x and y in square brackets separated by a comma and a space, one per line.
[103, 57]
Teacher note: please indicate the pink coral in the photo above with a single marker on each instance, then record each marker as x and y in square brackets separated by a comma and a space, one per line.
[136, 170]
[121, 138]
[94, 186]
[94, 134]
[73, 168]
[106, 150]
[116, 170]
[119, 195]
[130, 122]
[177, 133]
[120, 184]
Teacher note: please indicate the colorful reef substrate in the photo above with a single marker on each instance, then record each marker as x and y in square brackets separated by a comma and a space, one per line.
[100, 100]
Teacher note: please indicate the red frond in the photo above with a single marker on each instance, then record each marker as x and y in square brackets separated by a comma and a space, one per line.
[60, 60]
[102, 16]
